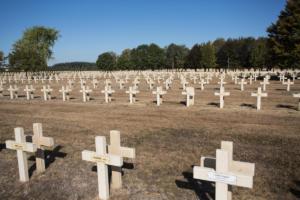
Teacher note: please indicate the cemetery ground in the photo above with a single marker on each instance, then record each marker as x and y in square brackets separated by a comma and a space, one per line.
[169, 140]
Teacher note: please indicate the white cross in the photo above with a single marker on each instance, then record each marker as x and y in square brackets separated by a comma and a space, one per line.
[259, 95]
[85, 93]
[115, 148]
[22, 147]
[264, 83]
[202, 83]
[41, 142]
[222, 94]
[159, 95]
[132, 94]
[47, 92]
[65, 93]
[95, 83]
[13, 91]
[221, 83]
[190, 96]
[250, 80]
[29, 92]
[242, 83]
[288, 83]
[226, 172]
[102, 159]
[107, 93]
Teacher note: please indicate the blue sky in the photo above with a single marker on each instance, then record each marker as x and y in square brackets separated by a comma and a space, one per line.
[91, 27]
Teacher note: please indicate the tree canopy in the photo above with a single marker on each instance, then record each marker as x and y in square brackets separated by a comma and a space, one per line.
[34, 49]
[284, 36]
[107, 61]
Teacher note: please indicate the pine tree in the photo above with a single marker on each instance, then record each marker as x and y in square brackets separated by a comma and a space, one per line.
[284, 36]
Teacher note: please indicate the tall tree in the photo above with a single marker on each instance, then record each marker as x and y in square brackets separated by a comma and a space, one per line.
[259, 54]
[107, 61]
[176, 55]
[34, 49]
[124, 61]
[284, 36]
[148, 57]
[193, 60]
[208, 55]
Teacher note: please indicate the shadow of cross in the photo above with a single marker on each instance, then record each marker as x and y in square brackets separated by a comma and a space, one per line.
[124, 152]
[41, 142]
[226, 171]
[22, 147]
[102, 158]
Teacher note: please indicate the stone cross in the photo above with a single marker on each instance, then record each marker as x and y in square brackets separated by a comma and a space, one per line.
[95, 83]
[132, 94]
[288, 83]
[236, 79]
[159, 95]
[85, 93]
[250, 80]
[65, 93]
[22, 147]
[47, 92]
[297, 96]
[259, 95]
[41, 142]
[242, 83]
[102, 158]
[82, 83]
[167, 83]
[107, 93]
[13, 91]
[29, 92]
[222, 94]
[226, 172]
[121, 84]
[221, 83]
[115, 148]
[264, 83]
[202, 83]
[190, 96]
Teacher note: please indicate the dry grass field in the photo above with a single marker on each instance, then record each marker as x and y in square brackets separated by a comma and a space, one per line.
[169, 140]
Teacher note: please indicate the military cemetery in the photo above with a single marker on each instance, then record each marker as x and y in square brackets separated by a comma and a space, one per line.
[213, 120]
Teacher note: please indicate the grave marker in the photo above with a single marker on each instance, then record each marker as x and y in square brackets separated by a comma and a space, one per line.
[41, 142]
[102, 158]
[222, 94]
[259, 95]
[22, 147]
[190, 96]
[115, 148]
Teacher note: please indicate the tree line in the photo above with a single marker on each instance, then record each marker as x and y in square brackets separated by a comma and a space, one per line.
[281, 48]
[221, 53]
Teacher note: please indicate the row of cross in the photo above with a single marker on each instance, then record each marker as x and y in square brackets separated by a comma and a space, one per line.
[222, 169]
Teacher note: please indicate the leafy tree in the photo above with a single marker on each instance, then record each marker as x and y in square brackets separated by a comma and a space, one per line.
[193, 59]
[208, 56]
[284, 36]
[176, 56]
[259, 54]
[148, 57]
[107, 61]
[124, 61]
[33, 50]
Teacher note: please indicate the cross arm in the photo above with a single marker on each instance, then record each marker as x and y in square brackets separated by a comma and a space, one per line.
[232, 178]
[91, 156]
[26, 146]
